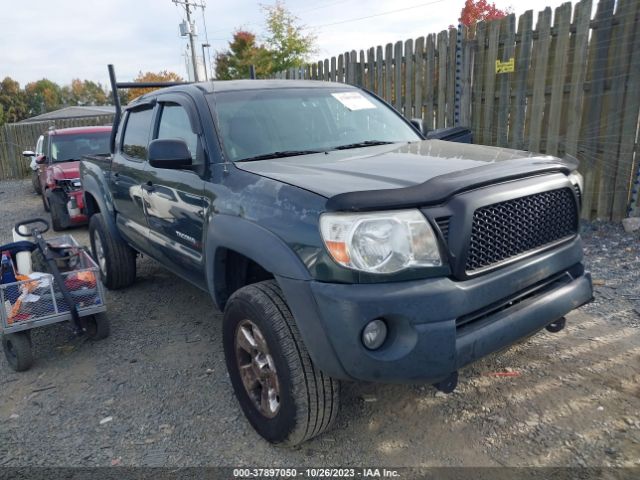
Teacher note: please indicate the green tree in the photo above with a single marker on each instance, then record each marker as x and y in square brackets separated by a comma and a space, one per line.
[84, 92]
[12, 101]
[242, 53]
[285, 46]
[286, 40]
[43, 96]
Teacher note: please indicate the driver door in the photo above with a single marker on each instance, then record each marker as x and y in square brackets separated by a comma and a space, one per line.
[174, 199]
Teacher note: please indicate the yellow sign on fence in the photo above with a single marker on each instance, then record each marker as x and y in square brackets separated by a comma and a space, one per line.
[506, 67]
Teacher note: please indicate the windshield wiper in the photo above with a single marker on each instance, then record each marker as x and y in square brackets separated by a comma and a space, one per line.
[366, 143]
[279, 154]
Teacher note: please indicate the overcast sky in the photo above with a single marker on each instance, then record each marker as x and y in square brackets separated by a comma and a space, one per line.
[66, 39]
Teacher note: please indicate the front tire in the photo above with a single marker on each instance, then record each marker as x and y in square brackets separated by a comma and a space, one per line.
[57, 209]
[284, 396]
[35, 182]
[116, 259]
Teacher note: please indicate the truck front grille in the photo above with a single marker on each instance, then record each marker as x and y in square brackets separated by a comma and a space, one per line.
[515, 227]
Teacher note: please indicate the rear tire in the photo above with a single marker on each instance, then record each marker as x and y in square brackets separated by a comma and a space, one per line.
[306, 400]
[116, 259]
[17, 349]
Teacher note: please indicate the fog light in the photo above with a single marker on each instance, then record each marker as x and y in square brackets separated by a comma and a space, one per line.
[374, 334]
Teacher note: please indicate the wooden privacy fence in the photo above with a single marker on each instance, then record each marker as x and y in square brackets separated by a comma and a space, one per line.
[571, 85]
[17, 137]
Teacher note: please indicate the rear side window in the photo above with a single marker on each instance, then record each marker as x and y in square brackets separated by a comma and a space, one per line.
[136, 134]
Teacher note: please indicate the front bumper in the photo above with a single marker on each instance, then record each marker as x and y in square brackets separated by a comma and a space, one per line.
[436, 326]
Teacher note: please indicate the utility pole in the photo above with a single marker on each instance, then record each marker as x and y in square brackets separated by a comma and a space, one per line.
[187, 4]
[204, 61]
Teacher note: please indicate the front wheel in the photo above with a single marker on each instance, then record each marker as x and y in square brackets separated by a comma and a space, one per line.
[283, 395]
[58, 210]
[35, 182]
[116, 260]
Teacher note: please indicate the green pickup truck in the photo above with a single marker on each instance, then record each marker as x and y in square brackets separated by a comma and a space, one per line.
[339, 242]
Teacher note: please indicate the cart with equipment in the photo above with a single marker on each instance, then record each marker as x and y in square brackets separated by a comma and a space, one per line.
[65, 287]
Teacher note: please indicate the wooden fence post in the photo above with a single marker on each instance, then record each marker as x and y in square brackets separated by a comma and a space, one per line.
[591, 121]
[519, 85]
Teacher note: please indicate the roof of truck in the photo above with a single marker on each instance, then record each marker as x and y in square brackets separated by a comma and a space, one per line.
[228, 85]
[218, 86]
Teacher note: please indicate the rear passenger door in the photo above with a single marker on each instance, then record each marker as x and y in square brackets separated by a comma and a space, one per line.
[128, 174]
[174, 198]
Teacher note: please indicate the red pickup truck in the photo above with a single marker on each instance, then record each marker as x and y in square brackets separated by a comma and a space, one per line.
[59, 171]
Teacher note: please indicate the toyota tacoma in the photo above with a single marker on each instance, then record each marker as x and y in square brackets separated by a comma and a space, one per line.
[338, 241]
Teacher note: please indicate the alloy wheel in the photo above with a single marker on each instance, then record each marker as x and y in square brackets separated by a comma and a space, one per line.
[257, 368]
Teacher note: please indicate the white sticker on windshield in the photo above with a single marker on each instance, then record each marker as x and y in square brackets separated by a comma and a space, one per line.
[353, 100]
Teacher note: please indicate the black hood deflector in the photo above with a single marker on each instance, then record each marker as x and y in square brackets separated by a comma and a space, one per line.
[439, 189]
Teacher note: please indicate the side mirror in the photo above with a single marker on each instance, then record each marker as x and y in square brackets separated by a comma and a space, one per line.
[419, 124]
[40, 159]
[28, 154]
[169, 153]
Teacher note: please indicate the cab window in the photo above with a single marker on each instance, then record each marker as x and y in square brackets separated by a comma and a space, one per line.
[136, 134]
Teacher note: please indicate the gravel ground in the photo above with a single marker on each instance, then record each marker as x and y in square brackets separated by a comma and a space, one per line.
[156, 391]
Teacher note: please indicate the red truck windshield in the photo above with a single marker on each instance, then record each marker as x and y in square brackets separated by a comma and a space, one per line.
[73, 146]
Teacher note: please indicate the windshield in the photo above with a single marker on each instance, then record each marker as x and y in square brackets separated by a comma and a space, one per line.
[73, 146]
[257, 123]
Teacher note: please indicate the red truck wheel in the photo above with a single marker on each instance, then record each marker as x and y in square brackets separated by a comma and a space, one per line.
[57, 208]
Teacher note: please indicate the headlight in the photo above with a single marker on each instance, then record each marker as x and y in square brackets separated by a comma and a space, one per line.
[380, 242]
[69, 184]
[576, 178]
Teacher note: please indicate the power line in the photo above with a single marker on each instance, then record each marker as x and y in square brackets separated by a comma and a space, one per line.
[317, 7]
[324, 5]
[381, 14]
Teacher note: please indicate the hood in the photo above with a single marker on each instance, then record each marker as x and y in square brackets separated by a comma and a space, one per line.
[65, 170]
[388, 166]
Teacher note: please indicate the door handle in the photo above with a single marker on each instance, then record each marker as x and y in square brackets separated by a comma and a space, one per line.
[148, 186]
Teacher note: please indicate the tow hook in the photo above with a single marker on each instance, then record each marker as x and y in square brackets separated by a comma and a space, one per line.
[557, 325]
[449, 384]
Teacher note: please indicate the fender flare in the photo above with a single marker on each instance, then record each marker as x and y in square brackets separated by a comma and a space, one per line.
[254, 242]
[102, 197]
